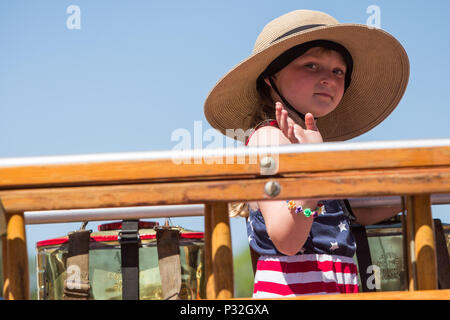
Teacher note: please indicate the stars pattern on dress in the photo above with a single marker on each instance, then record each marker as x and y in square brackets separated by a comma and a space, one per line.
[331, 234]
[342, 226]
[334, 246]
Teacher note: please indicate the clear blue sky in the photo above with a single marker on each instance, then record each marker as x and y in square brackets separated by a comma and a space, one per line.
[138, 70]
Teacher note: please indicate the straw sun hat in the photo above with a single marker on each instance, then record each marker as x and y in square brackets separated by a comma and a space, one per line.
[378, 79]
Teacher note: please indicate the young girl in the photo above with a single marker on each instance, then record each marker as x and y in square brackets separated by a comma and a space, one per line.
[309, 80]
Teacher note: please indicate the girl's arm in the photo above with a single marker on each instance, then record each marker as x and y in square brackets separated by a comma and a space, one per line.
[364, 216]
[288, 231]
[369, 216]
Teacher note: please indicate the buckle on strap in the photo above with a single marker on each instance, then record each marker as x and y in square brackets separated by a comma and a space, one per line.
[130, 232]
[76, 289]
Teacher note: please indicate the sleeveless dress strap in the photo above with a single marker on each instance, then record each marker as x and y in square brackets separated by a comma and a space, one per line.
[268, 122]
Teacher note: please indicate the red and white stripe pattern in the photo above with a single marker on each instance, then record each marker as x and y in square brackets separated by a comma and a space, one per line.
[289, 276]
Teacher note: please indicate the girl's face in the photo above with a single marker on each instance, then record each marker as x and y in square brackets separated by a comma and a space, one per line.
[313, 82]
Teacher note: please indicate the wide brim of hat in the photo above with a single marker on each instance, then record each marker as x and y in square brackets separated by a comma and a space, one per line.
[379, 80]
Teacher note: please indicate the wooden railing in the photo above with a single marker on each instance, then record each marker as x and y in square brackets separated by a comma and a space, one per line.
[414, 169]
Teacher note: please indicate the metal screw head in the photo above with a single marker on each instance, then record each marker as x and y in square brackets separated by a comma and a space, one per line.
[272, 188]
[266, 162]
[268, 166]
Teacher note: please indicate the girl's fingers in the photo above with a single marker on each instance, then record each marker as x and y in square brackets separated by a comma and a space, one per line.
[291, 135]
[290, 129]
[310, 123]
[280, 115]
[284, 124]
[299, 132]
[278, 109]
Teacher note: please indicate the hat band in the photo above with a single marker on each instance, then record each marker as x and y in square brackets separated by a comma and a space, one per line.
[298, 29]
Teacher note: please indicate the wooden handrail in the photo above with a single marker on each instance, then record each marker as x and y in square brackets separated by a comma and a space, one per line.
[129, 168]
[326, 171]
[329, 185]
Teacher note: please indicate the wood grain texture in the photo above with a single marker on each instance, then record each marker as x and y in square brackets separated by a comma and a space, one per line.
[410, 247]
[118, 172]
[17, 284]
[209, 273]
[322, 186]
[425, 245]
[416, 172]
[222, 254]
[5, 289]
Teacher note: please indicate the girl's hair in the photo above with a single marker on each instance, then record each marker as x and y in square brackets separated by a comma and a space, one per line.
[265, 111]
[238, 209]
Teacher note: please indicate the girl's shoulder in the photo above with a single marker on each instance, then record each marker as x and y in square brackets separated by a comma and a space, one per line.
[266, 133]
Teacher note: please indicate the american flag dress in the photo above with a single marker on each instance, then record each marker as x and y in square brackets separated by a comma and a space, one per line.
[324, 265]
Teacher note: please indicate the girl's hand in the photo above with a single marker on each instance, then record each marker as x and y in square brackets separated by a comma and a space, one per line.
[294, 132]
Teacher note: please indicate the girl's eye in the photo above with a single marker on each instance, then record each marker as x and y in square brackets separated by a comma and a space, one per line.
[311, 65]
[339, 72]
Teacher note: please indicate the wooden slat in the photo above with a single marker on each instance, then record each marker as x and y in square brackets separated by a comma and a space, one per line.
[422, 266]
[425, 245]
[111, 173]
[410, 246]
[102, 173]
[322, 186]
[222, 255]
[209, 274]
[16, 286]
[5, 279]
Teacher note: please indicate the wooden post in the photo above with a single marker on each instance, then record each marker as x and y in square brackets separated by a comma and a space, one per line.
[3, 235]
[209, 274]
[16, 285]
[5, 288]
[222, 255]
[410, 247]
[422, 245]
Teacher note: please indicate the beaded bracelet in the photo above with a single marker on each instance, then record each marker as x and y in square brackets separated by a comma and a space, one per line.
[307, 211]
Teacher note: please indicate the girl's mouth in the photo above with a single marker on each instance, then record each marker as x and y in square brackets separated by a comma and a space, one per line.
[322, 94]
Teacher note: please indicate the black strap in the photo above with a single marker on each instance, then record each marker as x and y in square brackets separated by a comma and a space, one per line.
[129, 249]
[363, 255]
[77, 285]
[168, 245]
[362, 245]
[347, 209]
[443, 258]
[285, 102]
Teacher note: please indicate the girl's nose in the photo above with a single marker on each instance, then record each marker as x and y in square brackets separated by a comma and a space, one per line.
[325, 81]
[326, 77]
